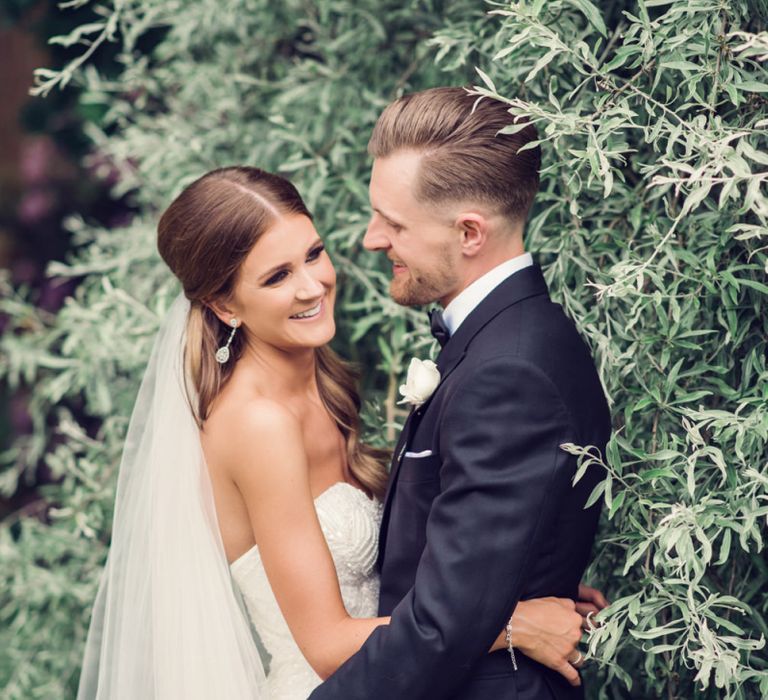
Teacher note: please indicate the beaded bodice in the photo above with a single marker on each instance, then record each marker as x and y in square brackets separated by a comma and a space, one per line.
[350, 522]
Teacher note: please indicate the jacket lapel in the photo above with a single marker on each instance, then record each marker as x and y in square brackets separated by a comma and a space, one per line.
[397, 455]
[397, 458]
[524, 284]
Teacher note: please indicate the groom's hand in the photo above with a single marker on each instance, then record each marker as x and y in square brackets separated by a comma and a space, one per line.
[547, 630]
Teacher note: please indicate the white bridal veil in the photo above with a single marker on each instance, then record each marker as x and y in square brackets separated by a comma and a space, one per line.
[167, 623]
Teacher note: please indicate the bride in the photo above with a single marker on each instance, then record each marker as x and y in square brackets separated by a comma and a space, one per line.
[244, 477]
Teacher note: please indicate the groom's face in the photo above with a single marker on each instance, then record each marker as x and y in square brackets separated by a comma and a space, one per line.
[419, 239]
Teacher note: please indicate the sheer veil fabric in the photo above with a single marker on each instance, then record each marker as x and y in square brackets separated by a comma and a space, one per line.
[167, 622]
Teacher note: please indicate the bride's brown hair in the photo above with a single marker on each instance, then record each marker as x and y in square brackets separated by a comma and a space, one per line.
[204, 236]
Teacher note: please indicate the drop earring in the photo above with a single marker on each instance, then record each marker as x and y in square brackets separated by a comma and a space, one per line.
[222, 354]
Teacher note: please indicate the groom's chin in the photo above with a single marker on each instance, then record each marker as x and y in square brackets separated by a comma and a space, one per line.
[398, 295]
[406, 293]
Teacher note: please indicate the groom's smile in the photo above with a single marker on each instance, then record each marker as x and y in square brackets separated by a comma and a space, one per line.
[416, 236]
[398, 268]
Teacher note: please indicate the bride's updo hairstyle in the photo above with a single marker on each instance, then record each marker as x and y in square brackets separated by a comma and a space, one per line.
[204, 237]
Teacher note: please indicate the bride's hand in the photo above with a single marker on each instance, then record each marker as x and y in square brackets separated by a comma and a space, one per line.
[590, 602]
[546, 630]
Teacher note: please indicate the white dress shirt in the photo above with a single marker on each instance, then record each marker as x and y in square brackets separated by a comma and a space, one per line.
[463, 305]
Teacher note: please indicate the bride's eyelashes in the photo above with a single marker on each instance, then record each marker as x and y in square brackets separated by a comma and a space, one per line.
[280, 275]
[277, 277]
[314, 254]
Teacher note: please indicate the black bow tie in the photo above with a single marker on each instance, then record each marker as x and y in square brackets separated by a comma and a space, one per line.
[437, 327]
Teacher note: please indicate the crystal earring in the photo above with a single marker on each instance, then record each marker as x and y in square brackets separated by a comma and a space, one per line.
[222, 354]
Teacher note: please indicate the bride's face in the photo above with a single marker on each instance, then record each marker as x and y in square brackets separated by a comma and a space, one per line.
[286, 287]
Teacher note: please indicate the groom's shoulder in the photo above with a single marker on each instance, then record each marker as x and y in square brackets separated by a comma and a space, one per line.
[529, 324]
[536, 331]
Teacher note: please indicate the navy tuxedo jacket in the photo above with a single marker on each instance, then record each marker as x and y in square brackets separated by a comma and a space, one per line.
[490, 517]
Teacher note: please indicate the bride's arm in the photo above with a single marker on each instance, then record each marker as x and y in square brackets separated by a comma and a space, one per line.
[264, 455]
[266, 459]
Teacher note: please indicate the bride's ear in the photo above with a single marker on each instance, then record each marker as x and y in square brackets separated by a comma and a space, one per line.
[222, 310]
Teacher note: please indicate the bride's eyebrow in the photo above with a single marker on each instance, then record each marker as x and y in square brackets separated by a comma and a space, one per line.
[287, 266]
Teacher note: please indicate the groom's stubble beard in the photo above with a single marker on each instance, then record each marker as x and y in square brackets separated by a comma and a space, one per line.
[425, 286]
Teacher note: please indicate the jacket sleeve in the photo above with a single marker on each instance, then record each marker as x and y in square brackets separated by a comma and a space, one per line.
[500, 434]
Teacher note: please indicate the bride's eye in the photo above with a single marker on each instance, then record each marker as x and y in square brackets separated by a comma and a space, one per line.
[279, 276]
[314, 254]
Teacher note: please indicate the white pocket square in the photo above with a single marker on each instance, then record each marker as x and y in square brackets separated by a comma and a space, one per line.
[417, 455]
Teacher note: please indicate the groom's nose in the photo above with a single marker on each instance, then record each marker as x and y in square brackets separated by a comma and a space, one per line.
[375, 236]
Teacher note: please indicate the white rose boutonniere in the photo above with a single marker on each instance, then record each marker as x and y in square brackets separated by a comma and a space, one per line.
[421, 382]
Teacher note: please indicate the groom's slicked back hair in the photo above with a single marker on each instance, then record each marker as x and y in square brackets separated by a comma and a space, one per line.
[464, 157]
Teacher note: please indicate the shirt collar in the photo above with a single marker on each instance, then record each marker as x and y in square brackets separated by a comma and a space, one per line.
[463, 305]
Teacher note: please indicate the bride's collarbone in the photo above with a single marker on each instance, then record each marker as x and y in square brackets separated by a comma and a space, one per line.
[323, 443]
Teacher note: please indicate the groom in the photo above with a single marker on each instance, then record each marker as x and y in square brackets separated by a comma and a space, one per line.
[480, 511]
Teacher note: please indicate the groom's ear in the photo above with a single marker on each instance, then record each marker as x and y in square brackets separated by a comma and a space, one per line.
[473, 228]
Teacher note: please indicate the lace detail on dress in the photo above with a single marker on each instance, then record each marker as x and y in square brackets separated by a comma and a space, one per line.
[350, 522]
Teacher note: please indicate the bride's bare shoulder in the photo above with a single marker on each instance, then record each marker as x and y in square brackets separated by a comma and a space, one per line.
[254, 434]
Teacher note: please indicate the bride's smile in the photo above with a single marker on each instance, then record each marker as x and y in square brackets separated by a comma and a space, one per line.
[285, 291]
[311, 313]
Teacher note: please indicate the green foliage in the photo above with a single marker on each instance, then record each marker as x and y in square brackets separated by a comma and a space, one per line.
[651, 225]
[654, 132]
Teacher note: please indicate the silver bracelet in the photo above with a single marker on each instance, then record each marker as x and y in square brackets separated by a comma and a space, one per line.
[510, 648]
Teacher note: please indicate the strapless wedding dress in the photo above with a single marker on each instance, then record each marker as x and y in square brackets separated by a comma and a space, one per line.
[350, 522]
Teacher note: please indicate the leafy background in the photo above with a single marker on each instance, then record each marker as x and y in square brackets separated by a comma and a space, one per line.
[651, 226]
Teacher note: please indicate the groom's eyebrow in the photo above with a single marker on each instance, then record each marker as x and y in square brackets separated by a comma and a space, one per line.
[391, 220]
[287, 266]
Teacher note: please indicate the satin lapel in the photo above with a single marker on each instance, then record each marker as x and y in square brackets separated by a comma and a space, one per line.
[522, 285]
[397, 459]
[411, 423]
[397, 455]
